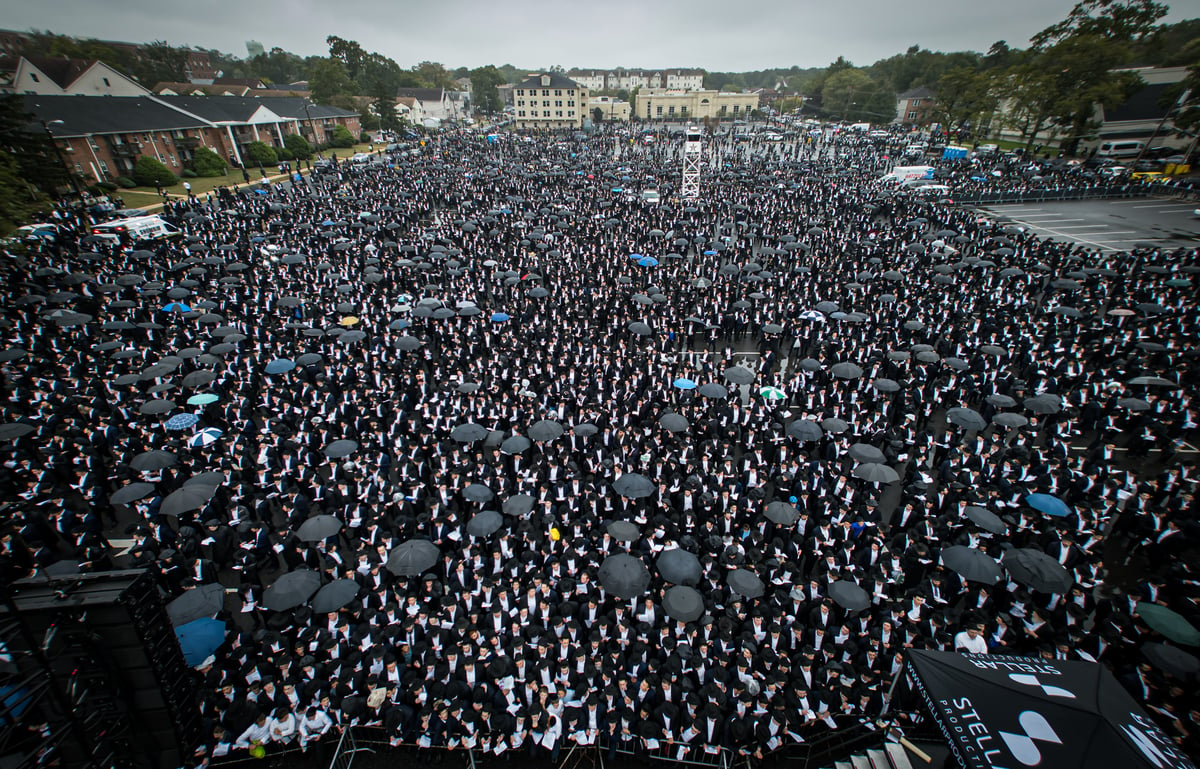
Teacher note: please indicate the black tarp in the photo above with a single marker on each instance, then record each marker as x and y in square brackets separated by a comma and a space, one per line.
[1002, 712]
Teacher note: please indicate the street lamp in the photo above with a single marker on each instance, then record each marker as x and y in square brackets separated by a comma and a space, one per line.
[61, 158]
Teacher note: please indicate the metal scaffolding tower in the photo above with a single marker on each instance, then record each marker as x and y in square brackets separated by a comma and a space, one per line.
[692, 158]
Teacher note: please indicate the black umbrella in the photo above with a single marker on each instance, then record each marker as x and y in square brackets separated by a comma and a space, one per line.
[1010, 419]
[518, 504]
[584, 429]
[14, 430]
[846, 370]
[986, 520]
[197, 603]
[849, 595]
[674, 423]
[477, 492]
[131, 493]
[885, 385]
[863, 452]
[1036, 570]
[683, 603]
[318, 527]
[713, 390]
[972, 564]
[623, 531]
[484, 523]
[469, 432]
[745, 583]
[624, 576]
[1047, 403]
[291, 589]
[633, 486]
[187, 498]
[545, 430]
[515, 444]
[340, 448]
[413, 557]
[783, 513]
[968, 419]
[805, 430]
[334, 596]
[739, 374]
[679, 567]
[834, 425]
[1171, 659]
[876, 473]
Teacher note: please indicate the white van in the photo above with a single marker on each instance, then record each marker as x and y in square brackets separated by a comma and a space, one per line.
[1121, 149]
[134, 229]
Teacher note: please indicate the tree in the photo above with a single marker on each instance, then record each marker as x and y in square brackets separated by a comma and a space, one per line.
[205, 162]
[19, 200]
[23, 137]
[433, 75]
[597, 115]
[278, 66]
[149, 172]
[298, 146]
[261, 153]
[340, 136]
[158, 62]
[348, 52]
[965, 98]
[328, 79]
[851, 94]
[484, 81]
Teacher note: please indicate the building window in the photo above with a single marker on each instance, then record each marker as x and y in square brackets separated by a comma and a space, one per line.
[671, 110]
[545, 102]
[521, 113]
[558, 102]
[912, 115]
[735, 109]
[104, 168]
[915, 103]
[520, 102]
[558, 92]
[570, 102]
[79, 168]
[520, 92]
[570, 113]
[724, 109]
[33, 76]
[546, 113]
[658, 111]
[106, 83]
[558, 113]
[545, 92]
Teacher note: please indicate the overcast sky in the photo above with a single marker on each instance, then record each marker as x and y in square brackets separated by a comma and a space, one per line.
[716, 35]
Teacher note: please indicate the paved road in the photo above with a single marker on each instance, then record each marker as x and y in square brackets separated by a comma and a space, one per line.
[1110, 225]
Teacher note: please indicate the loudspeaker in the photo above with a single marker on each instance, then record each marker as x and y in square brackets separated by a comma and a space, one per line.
[112, 654]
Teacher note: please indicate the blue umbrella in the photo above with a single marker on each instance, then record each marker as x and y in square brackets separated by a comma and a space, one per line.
[260, 191]
[176, 307]
[1048, 504]
[181, 421]
[202, 399]
[684, 384]
[500, 317]
[710, 253]
[279, 366]
[328, 223]
[200, 638]
[648, 261]
[636, 257]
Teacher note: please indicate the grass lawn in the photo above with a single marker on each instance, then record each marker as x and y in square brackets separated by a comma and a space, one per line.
[147, 198]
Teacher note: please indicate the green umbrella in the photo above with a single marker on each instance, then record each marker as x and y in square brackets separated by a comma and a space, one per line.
[772, 393]
[203, 399]
[1169, 623]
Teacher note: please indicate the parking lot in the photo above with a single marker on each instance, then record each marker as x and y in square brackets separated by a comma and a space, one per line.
[1110, 225]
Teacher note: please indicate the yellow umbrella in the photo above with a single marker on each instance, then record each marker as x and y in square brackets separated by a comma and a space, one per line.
[349, 320]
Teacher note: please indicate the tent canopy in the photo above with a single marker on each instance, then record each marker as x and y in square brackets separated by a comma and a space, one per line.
[1003, 711]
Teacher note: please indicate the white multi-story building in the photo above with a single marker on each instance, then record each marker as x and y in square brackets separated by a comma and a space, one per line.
[549, 101]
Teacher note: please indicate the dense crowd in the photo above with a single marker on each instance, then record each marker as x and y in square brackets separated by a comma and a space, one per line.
[800, 391]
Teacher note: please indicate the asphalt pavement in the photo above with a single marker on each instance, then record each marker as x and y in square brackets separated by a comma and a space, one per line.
[1110, 225]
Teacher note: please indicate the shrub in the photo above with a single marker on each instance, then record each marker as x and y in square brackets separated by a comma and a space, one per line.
[95, 190]
[284, 154]
[364, 138]
[126, 182]
[208, 163]
[188, 173]
[298, 146]
[341, 137]
[261, 154]
[149, 171]
[107, 186]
